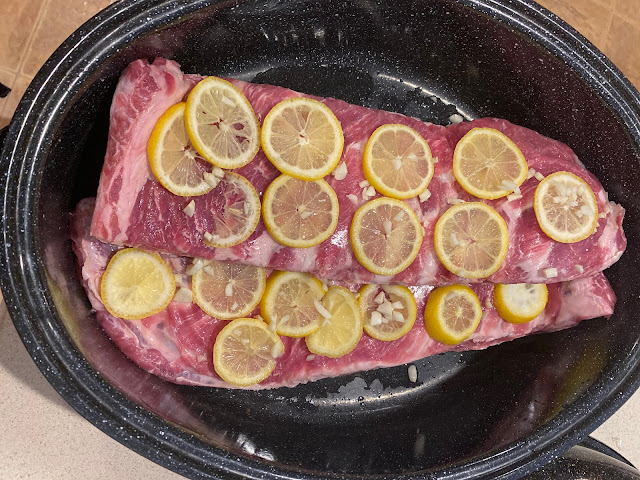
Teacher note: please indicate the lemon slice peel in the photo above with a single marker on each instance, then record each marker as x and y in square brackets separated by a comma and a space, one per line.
[566, 207]
[385, 235]
[136, 284]
[388, 311]
[488, 164]
[299, 213]
[172, 157]
[452, 314]
[340, 331]
[303, 138]
[288, 304]
[245, 352]
[228, 290]
[471, 240]
[520, 302]
[221, 123]
[397, 161]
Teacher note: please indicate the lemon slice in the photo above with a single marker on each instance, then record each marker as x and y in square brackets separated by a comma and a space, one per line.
[236, 212]
[228, 290]
[303, 138]
[388, 311]
[173, 159]
[385, 236]
[452, 314]
[520, 302]
[487, 164]
[471, 240]
[221, 123]
[397, 161]
[245, 352]
[341, 327]
[136, 284]
[289, 303]
[565, 207]
[298, 213]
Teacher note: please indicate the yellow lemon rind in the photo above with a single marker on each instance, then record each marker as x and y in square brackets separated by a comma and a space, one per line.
[218, 365]
[191, 126]
[507, 312]
[538, 209]
[111, 269]
[269, 297]
[154, 153]
[274, 157]
[357, 248]
[486, 194]
[276, 232]
[376, 181]
[206, 307]
[399, 290]
[444, 258]
[313, 341]
[435, 326]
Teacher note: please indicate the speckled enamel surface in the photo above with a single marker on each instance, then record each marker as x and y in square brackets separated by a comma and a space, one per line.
[509, 408]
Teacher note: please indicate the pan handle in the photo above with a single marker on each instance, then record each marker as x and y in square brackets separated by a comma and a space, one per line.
[589, 461]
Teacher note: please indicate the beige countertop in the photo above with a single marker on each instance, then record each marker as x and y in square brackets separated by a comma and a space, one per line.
[42, 437]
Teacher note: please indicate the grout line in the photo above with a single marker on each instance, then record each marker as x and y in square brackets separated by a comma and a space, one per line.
[602, 3]
[9, 71]
[605, 33]
[36, 25]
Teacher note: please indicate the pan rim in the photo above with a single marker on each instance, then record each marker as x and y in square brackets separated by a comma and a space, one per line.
[96, 399]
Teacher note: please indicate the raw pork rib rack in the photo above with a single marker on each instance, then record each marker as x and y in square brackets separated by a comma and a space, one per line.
[133, 209]
[176, 344]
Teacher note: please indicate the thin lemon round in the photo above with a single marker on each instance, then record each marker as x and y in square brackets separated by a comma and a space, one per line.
[245, 352]
[565, 207]
[136, 284]
[303, 138]
[235, 210]
[452, 314]
[228, 290]
[299, 213]
[388, 311]
[397, 161]
[221, 123]
[487, 164]
[289, 303]
[520, 302]
[341, 331]
[471, 240]
[385, 236]
[173, 159]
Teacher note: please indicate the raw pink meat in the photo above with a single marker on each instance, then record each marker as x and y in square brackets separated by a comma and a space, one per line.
[176, 344]
[134, 209]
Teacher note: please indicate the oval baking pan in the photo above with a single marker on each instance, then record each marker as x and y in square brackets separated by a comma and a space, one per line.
[498, 413]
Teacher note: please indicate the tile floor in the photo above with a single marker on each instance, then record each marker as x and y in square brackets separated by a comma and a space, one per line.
[30, 30]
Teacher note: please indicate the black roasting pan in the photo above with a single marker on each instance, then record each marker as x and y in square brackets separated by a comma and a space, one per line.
[498, 413]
